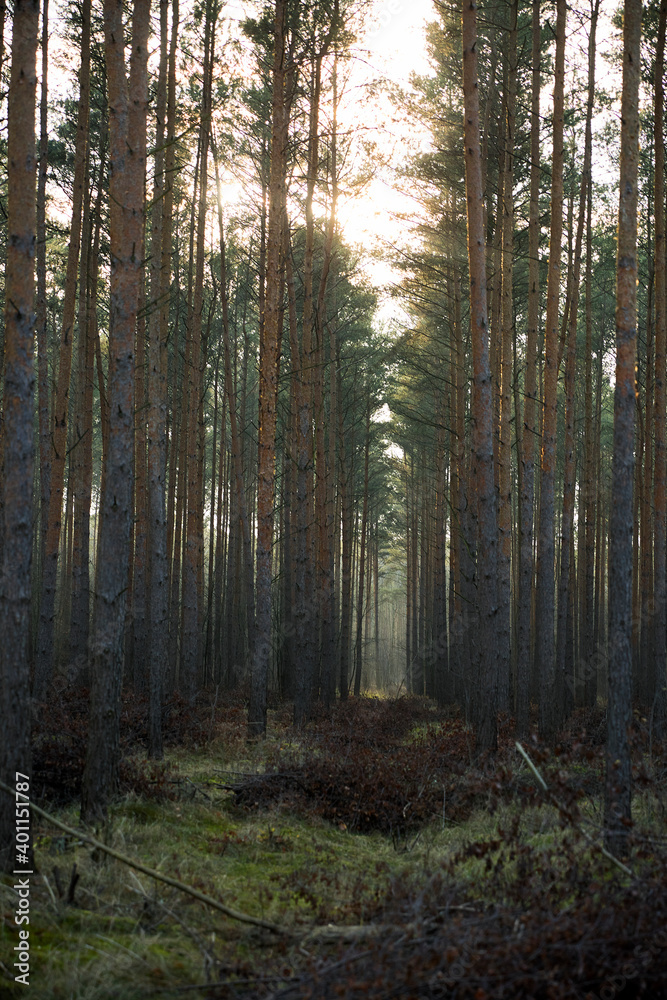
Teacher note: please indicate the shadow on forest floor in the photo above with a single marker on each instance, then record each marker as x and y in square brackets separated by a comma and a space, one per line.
[396, 865]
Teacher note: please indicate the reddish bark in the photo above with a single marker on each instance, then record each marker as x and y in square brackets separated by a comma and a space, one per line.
[660, 459]
[18, 416]
[268, 381]
[482, 447]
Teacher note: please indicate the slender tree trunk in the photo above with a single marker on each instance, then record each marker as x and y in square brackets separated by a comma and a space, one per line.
[507, 323]
[44, 661]
[333, 523]
[191, 651]
[18, 416]
[40, 265]
[160, 281]
[268, 380]
[237, 457]
[305, 617]
[325, 461]
[482, 450]
[136, 638]
[618, 779]
[545, 550]
[82, 450]
[565, 681]
[646, 664]
[346, 480]
[660, 492]
[362, 557]
[439, 658]
[127, 123]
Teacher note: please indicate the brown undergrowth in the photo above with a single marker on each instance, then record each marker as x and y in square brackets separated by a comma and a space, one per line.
[445, 876]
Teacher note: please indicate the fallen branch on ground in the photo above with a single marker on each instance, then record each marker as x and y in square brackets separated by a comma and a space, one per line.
[328, 932]
[244, 918]
[554, 801]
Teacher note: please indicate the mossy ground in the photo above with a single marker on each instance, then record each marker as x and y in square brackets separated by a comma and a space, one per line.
[126, 936]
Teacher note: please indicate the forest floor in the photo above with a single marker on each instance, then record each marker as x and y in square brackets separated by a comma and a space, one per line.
[382, 858]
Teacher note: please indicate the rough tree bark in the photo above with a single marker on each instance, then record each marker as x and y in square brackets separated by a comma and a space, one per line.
[482, 445]
[191, 639]
[618, 777]
[545, 550]
[565, 678]
[660, 473]
[527, 477]
[160, 280]
[506, 327]
[40, 259]
[18, 415]
[268, 380]
[128, 100]
[44, 660]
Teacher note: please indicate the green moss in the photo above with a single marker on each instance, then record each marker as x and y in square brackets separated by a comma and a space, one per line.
[129, 936]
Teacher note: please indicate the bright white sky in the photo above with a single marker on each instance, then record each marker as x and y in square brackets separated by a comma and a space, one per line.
[391, 50]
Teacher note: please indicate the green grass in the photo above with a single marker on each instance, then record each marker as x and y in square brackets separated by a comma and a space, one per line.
[130, 937]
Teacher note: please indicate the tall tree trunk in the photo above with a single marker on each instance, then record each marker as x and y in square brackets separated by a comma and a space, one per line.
[237, 457]
[160, 282]
[137, 625]
[459, 646]
[438, 657]
[583, 682]
[44, 660]
[362, 556]
[660, 493]
[40, 265]
[507, 322]
[333, 523]
[646, 664]
[83, 446]
[127, 126]
[545, 549]
[564, 678]
[268, 380]
[618, 777]
[18, 416]
[325, 463]
[347, 514]
[191, 650]
[482, 448]
[306, 636]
